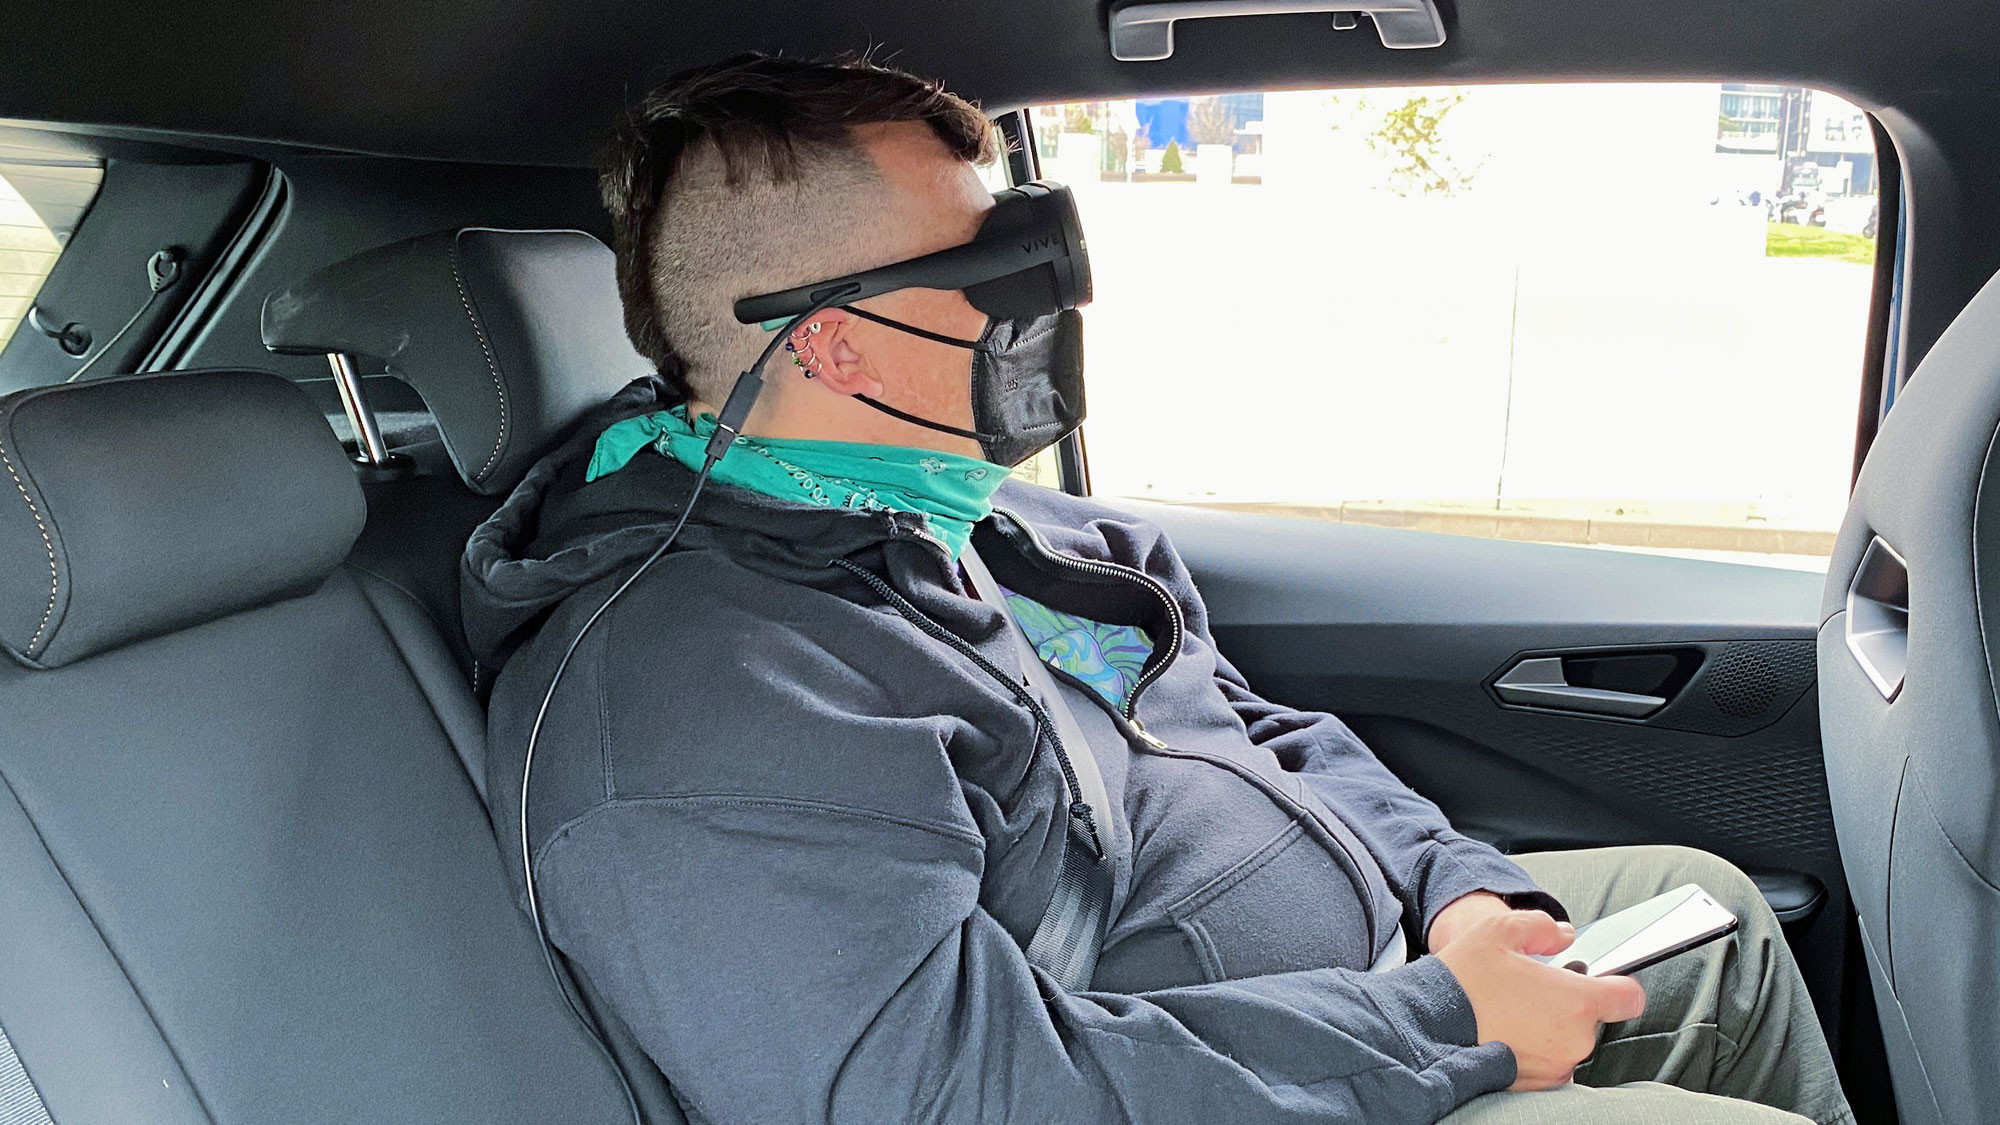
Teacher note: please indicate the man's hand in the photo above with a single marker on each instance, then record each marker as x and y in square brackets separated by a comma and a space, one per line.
[1459, 916]
[1549, 1016]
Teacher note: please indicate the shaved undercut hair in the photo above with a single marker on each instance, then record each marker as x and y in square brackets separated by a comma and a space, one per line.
[745, 177]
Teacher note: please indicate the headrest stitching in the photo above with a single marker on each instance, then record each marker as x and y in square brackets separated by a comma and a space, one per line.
[493, 369]
[48, 544]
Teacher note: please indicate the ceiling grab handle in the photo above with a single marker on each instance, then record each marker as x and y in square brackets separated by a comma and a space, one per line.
[1144, 32]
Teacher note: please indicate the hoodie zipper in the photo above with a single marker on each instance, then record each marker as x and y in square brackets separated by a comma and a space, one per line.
[1087, 566]
[1127, 721]
[1315, 825]
[1125, 718]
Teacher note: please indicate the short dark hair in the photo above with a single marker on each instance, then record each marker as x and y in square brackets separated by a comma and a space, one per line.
[765, 117]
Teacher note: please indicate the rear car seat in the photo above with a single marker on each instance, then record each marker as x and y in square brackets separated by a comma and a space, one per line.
[506, 335]
[246, 872]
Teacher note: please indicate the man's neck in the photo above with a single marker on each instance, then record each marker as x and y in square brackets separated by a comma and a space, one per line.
[837, 418]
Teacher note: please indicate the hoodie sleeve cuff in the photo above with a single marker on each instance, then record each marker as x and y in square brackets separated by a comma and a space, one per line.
[1462, 867]
[1429, 1009]
[1433, 1017]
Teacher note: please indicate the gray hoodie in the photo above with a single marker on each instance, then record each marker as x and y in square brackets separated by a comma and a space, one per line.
[800, 844]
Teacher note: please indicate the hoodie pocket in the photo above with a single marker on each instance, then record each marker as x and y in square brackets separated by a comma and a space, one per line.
[1286, 906]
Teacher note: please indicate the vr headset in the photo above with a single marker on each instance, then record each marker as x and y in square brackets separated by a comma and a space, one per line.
[1026, 261]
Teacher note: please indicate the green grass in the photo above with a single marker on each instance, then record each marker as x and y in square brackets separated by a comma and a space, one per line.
[1790, 240]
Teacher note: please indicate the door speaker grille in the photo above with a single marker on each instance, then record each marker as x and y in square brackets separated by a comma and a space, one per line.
[1743, 686]
[1747, 678]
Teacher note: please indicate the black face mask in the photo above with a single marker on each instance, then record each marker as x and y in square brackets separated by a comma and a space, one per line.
[1027, 383]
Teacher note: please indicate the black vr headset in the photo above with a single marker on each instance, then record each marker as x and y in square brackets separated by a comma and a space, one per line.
[1027, 260]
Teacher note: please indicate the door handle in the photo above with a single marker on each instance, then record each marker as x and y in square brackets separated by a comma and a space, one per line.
[1145, 32]
[1539, 681]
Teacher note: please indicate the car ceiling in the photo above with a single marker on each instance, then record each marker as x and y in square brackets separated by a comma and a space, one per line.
[535, 82]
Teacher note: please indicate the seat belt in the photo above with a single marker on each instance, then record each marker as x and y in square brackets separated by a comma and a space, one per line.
[1071, 933]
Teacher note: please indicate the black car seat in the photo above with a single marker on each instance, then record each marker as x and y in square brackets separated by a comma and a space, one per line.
[507, 336]
[246, 871]
[1910, 709]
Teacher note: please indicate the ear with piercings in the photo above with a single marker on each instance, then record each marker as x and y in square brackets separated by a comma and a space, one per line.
[801, 348]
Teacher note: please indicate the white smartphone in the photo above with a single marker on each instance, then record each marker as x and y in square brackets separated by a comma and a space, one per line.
[1647, 934]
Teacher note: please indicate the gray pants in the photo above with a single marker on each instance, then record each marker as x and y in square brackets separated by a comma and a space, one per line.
[1729, 1033]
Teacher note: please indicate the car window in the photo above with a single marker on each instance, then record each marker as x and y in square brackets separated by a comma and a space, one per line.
[1623, 316]
[993, 173]
[41, 201]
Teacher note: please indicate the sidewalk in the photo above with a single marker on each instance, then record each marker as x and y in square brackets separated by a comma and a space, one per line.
[1611, 531]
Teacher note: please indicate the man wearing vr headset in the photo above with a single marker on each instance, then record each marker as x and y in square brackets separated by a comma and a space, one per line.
[864, 786]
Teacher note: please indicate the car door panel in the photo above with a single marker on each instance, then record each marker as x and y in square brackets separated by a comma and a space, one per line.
[1405, 635]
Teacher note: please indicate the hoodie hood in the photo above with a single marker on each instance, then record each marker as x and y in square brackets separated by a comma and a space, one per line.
[557, 534]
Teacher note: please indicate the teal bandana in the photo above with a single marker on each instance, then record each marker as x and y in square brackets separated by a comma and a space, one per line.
[951, 492]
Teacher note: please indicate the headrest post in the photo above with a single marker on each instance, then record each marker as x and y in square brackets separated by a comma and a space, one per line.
[370, 448]
[509, 337]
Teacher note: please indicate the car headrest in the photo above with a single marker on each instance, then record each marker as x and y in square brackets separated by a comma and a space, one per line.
[139, 505]
[509, 335]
